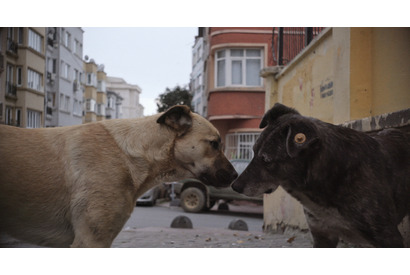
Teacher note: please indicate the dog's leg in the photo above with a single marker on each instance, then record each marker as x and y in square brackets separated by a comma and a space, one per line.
[389, 236]
[91, 236]
[321, 238]
[94, 228]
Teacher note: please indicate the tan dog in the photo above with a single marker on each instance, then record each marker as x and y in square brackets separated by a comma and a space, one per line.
[77, 186]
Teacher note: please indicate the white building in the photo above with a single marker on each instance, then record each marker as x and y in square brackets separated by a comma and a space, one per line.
[64, 76]
[198, 80]
[130, 95]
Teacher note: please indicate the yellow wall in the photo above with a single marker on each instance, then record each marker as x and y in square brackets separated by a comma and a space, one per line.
[344, 74]
[90, 92]
[391, 70]
[308, 85]
[379, 71]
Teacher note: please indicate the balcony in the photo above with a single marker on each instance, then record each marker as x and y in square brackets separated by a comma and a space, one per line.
[289, 42]
[11, 90]
[12, 46]
[1, 62]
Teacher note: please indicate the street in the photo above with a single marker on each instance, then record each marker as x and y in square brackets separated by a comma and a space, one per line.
[149, 227]
[161, 215]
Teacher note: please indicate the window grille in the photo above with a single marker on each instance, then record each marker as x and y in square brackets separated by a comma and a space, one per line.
[240, 145]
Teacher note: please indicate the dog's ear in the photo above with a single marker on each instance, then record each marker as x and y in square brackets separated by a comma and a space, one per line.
[300, 137]
[275, 112]
[177, 117]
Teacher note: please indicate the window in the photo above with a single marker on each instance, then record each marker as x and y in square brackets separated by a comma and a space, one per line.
[19, 76]
[76, 75]
[62, 101]
[51, 99]
[101, 86]
[77, 107]
[101, 109]
[34, 41]
[238, 67]
[67, 39]
[77, 47]
[18, 117]
[54, 66]
[10, 33]
[9, 117]
[9, 74]
[110, 103]
[239, 145]
[65, 70]
[51, 65]
[33, 119]
[91, 79]
[34, 80]
[67, 103]
[10, 84]
[90, 105]
[20, 36]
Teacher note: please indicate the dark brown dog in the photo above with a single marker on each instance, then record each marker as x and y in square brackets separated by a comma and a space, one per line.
[352, 185]
[77, 186]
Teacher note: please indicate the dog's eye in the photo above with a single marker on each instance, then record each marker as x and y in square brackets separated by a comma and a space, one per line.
[300, 138]
[214, 144]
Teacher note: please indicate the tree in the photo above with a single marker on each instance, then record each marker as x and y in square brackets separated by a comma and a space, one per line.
[177, 96]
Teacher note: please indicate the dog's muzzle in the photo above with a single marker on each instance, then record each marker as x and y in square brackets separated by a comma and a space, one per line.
[222, 178]
[225, 178]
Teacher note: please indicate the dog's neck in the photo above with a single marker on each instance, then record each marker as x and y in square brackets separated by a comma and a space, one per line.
[149, 147]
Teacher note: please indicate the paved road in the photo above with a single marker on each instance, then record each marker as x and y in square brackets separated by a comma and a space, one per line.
[149, 227]
[162, 216]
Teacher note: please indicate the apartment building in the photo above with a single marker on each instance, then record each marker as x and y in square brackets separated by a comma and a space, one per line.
[129, 94]
[95, 92]
[22, 76]
[228, 76]
[198, 76]
[114, 105]
[64, 77]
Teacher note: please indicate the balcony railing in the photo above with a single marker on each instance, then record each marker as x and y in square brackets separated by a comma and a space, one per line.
[1, 62]
[289, 42]
[11, 89]
[12, 46]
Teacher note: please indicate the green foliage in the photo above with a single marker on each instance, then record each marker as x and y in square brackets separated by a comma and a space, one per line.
[177, 96]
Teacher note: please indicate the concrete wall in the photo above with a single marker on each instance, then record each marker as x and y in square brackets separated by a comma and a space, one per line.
[345, 74]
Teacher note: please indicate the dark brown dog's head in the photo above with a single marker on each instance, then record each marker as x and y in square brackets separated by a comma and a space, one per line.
[280, 153]
[198, 149]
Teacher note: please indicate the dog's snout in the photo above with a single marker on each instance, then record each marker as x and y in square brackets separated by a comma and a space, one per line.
[224, 176]
[234, 175]
[237, 187]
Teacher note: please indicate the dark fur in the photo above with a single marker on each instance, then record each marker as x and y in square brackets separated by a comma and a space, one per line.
[352, 185]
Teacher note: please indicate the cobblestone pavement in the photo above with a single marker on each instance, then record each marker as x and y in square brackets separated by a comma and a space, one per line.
[156, 237]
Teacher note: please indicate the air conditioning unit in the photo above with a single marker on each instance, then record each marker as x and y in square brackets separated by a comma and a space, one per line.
[53, 77]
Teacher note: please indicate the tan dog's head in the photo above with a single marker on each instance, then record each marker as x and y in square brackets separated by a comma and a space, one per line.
[198, 147]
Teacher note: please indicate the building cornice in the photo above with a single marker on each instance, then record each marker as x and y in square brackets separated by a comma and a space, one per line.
[222, 117]
[240, 31]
